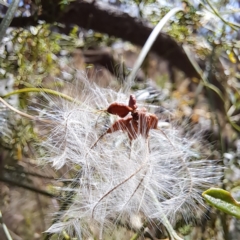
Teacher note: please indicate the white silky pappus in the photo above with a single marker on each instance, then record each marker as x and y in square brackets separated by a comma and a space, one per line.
[159, 179]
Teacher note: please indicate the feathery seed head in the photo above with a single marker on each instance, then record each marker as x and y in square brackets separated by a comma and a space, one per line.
[134, 169]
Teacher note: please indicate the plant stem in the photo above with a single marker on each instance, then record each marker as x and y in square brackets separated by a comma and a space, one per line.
[5, 229]
[45, 90]
[18, 184]
[164, 220]
[209, 85]
[234, 26]
[147, 46]
[24, 114]
[10, 169]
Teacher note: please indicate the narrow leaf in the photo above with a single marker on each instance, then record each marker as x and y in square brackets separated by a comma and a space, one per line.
[222, 200]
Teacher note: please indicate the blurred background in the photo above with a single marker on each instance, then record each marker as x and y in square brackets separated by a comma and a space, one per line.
[192, 72]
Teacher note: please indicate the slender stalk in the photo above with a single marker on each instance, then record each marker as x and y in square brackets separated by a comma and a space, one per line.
[24, 114]
[18, 184]
[147, 46]
[45, 90]
[234, 26]
[199, 71]
[136, 236]
[8, 18]
[163, 217]
[5, 229]
[118, 185]
[209, 85]
[212, 104]
[7, 168]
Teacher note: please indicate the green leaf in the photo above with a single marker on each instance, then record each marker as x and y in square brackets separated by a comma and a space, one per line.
[222, 200]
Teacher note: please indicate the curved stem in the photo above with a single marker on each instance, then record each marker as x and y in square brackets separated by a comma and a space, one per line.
[148, 45]
[23, 113]
[46, 90]
[209, 85]
[234, 26]
[199, 71]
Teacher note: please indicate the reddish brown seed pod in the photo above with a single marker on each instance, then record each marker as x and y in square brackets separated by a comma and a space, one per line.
[119, 109]
[139, 123]
[121, 124]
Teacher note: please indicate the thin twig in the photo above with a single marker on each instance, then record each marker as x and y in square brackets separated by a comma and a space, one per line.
[24, 114]
[7, 168]
[234, 26]
[18, 184]
[40, 90]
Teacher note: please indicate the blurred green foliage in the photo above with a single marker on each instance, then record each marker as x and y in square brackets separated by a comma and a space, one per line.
[31, 54]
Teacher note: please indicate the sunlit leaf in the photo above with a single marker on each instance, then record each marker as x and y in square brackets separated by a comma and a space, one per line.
[222, 200]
